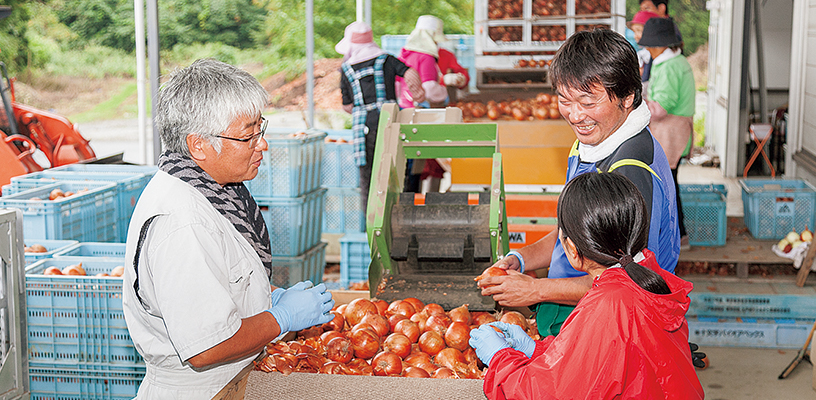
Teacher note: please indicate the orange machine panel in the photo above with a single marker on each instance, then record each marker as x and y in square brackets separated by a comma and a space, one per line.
[533, 153]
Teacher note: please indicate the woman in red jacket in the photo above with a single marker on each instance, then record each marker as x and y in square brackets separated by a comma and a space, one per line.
[628, 336]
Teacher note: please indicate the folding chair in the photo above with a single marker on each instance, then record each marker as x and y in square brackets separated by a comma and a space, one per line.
[761, 133]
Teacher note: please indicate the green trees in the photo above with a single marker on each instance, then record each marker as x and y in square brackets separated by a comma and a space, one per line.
[690, 16]
[13, 42]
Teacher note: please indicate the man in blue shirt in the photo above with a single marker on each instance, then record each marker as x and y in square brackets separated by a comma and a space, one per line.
[599, 94]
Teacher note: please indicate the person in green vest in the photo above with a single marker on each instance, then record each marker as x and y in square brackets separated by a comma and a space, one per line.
[671, 99]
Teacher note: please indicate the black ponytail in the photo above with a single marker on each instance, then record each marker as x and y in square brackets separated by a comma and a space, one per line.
[605, 216]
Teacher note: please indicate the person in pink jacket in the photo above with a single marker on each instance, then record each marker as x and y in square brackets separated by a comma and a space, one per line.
[628, 336]
[421, 52]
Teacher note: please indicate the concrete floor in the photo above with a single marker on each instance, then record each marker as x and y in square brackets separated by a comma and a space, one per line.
[734, 373]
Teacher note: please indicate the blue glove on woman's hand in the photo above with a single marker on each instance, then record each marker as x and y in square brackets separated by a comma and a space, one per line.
[302, 306]
[276, 295]
[487, 342]
[516, 337]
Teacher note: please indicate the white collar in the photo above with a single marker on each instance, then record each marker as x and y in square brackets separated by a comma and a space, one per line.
[666, 55]
[634, 124]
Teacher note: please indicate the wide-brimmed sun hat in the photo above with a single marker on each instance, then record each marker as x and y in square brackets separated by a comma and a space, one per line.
[433, 25]
[659, 32]
[356, 33]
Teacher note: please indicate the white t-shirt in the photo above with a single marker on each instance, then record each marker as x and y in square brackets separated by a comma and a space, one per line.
[198, 277]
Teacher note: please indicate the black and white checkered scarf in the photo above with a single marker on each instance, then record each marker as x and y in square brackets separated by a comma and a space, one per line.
[233, 201]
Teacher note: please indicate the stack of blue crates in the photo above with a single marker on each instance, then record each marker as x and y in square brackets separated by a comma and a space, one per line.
[287, 189]
[100, 210]
[344, 211]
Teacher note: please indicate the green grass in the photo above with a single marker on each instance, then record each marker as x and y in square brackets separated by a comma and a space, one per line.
[699, 131]
[110, 108]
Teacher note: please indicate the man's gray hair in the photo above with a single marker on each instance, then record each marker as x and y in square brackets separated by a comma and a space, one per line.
[204, 99]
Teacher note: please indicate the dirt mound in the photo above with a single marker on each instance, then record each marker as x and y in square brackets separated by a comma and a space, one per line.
[292, 95]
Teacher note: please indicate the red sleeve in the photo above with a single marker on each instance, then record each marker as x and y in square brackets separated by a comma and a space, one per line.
[448, 61]
[586, 360]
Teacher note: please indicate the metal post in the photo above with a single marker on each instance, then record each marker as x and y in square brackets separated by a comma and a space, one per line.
[367, 12]
[310, 60]
[138, 6]
[360, 10]
[153, 59]
[763, 90]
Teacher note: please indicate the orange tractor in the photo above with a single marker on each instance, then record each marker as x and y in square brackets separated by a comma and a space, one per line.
[26, 130]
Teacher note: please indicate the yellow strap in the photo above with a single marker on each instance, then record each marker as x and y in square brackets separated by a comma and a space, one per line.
[574, 150]
[632, 162]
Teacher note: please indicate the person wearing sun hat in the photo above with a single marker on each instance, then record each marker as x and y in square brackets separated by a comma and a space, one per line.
[644, 58]
[421, 52]
[368, 81]
[671, 98]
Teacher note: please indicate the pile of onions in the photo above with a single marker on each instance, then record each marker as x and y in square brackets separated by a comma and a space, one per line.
[543, 106]
[404, 338]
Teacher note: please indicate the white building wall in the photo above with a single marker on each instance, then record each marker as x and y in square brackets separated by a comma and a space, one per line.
[802, 120]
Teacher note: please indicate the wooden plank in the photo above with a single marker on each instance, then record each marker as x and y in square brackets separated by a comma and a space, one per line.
[804, 270]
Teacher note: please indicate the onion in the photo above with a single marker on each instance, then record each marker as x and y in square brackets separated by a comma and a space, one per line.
[457, 336]
[460, 314]
[490, 271]
[400, 307]
[394, 319]
[334, 367]
[357, 309]
[421, 360]
[554, 113]
[438, 323]
[541, 113]
[443, 373]
[493, 113]
[417, 303]
[340, 350]
[515, 318]
[329, 335]
[420, 318]
[366, 343]
[415, 372]
[378, 322]
[336, 324]
[522, 63]
[433, 308]
[398, 344]
[470, 355]
[387, 364]
[341, 309]
[431, 342]
[382, 305]
[314, 331]
[482, 318]
[361, 366]
[449, 358]
[408, 328]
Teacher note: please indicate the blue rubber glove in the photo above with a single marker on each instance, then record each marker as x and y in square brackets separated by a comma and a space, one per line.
[302, 306]
[276, 295]
[516, 337]
[487, 342]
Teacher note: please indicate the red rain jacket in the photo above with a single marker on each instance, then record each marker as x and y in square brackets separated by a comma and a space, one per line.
[620, 342]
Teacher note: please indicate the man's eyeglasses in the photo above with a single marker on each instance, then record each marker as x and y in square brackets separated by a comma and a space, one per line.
[253, 140]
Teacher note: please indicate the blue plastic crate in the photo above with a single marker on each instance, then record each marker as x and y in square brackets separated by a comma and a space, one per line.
[115, 168]
[291, 165]
[287, 271]
[129, 186]
[77, 319]
[704, 212]
[293, 223]
[339, 168]
[89, 216]
[355, 256]
[774, 207]
[344, 211]
[93, 249]
[53, 247]
[87, 382]
[748, 332]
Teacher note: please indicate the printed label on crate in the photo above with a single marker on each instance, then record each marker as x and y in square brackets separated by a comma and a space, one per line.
[785, 206]
[517, 237]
